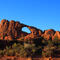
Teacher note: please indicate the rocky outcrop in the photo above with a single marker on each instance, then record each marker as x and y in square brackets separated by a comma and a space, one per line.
[48, 34]
[57, 35]
[10, 30]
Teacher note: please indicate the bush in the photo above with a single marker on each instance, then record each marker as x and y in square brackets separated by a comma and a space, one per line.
[47, 51]
[1, 53]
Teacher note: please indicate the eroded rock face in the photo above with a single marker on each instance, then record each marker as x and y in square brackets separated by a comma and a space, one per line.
[34, 33]
[48, 34]
[10, 30]
[57, 35]
[4, 25]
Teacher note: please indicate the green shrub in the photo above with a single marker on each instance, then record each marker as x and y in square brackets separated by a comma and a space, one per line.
[1, 53]
[47, 51]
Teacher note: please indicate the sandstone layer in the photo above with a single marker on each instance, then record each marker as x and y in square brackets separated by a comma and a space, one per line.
[12, 30]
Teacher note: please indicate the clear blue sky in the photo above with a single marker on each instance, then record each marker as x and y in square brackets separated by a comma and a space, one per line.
[43, 14]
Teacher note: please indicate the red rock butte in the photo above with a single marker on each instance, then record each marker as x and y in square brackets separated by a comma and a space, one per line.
[10, 30]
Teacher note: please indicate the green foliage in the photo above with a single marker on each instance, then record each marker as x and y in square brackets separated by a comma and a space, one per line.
[48, 50]
[29, 49]
[56, 40]
[58, 46]
[20, 50]
[1, 53]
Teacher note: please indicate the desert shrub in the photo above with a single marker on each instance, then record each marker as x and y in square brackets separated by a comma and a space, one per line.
[30, 48]
[1, 53]
[8, 51]
[47, 51]
[39, 46]
[22, 50]
[15, 50]
[56, 42]
[59, 46]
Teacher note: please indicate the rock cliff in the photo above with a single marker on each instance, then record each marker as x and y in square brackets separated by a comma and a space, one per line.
[10, 30]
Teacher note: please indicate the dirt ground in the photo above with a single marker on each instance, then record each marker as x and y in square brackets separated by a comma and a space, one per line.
[19, 58]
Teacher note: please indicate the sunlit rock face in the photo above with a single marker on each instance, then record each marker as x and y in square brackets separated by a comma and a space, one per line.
[57, 34]
[48, 34]
[10, 30]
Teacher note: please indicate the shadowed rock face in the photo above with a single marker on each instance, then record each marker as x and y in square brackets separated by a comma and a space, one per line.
[10, 30]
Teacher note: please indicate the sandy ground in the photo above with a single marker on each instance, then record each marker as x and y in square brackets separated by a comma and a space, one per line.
[19, 58]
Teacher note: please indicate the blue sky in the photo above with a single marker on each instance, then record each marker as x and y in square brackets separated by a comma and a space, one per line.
[43, 14]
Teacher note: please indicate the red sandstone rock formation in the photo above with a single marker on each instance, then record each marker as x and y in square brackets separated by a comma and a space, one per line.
[57, 34]
[10, 30]
[13, 30]
[48, 34]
